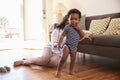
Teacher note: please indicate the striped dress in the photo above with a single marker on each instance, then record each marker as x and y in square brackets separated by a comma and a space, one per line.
[72, 38]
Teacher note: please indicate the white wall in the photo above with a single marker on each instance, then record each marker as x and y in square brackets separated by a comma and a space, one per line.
[93, 7]
[96, 7]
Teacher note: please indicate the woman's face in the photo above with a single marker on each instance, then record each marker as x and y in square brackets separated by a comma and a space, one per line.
[73, 19]
[67, 22]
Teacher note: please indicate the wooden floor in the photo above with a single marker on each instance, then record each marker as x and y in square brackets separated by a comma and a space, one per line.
[92, 68]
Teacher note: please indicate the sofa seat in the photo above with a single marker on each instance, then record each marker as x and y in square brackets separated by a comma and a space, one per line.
[103, 40]
[106, 40]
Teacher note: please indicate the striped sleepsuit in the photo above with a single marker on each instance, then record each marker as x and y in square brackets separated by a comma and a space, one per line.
[72, 38]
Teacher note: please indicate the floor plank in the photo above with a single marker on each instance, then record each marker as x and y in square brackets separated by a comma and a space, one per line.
[97, 68]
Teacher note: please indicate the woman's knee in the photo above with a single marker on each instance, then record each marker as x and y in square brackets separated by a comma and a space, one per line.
[54, 60]
[46, 52]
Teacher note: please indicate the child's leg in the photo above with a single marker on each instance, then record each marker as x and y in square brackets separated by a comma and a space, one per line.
[73, 57]
[65, 53]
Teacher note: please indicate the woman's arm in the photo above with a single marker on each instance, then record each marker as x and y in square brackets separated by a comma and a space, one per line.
[54, 35]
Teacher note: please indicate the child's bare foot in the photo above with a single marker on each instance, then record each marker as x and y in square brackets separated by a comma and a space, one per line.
[71, 73]
[18, 63]
[58, 74]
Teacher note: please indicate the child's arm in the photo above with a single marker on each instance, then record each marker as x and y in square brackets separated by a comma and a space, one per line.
[80, 31]
[61, 39]
[86, 36]
[82, 34]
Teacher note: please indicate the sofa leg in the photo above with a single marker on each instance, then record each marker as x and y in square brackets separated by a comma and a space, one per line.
[84, 58]
[80, 58]
[91, 58]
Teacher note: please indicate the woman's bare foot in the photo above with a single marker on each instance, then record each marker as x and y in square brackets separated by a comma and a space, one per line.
[24, 58]
[18, 63]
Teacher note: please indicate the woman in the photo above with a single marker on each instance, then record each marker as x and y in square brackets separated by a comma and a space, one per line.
[50, 54]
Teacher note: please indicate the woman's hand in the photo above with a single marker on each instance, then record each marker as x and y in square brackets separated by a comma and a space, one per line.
[55, 45]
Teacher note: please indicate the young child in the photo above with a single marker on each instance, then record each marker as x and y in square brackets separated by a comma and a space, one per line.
[73, 34]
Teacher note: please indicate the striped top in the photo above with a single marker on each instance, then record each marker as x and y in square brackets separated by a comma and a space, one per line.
[72, 38]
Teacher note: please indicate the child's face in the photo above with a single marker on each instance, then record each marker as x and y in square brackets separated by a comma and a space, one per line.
[74, 19]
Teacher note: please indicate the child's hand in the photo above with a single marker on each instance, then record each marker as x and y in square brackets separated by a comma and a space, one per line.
[86, 36]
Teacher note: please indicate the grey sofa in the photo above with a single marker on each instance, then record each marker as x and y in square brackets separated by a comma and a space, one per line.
[101, 45]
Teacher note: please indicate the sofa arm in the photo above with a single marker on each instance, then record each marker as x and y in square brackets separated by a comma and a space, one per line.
[106, 40]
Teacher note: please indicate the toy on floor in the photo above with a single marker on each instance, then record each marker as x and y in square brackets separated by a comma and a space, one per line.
[4, 69]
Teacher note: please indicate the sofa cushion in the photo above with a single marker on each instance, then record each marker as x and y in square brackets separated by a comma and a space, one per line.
[99, 26]
[82, 22]
[87, 32]
[88, 19]
[114, 27]
[106, 40]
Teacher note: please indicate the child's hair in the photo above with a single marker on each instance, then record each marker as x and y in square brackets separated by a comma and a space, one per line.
[74, 11]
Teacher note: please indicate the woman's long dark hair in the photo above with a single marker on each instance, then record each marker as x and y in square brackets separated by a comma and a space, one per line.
[63, 23]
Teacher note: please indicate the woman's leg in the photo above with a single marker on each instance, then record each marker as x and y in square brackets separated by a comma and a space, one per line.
[65, 53]
[53, 60]
[72, 62]
[42, 60]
